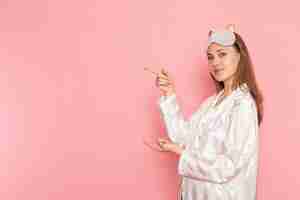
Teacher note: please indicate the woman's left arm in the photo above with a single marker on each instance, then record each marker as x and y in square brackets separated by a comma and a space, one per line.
[219, 161]
[178, 127]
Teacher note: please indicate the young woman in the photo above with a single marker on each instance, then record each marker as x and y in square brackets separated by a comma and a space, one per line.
[218, 146]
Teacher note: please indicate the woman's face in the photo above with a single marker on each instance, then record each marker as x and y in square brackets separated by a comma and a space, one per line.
[222, 61]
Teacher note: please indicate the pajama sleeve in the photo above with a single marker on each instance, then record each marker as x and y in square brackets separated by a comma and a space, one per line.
[219, 160]
[178, 128]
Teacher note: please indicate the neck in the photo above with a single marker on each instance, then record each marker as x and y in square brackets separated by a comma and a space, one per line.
[227, 87]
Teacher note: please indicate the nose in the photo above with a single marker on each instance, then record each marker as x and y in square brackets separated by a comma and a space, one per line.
[215, 62]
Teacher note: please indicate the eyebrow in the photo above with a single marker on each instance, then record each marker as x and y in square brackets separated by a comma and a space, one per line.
[217, 50]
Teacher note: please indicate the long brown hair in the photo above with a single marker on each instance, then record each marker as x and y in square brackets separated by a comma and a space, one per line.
[245, 74]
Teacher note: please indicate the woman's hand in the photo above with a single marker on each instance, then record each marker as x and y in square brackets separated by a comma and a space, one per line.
[164, 145]
[165, 83]
[168, 146]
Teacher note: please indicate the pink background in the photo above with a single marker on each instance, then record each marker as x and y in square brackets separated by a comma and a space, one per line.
[75, 102]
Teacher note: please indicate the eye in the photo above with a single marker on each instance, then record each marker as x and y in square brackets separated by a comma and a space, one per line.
[209, 57]
[222, 54]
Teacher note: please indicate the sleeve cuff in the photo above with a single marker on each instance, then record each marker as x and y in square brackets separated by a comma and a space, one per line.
[165, 99]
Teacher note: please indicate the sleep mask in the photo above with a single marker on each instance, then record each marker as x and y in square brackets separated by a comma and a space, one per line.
[224, 37]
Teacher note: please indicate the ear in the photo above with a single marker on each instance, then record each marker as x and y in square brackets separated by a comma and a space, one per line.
[230, 27]
[210, 31]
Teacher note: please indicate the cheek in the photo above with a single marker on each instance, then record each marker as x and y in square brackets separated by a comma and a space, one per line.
[230, 64]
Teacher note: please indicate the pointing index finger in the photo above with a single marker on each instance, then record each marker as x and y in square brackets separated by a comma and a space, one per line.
[147, 69]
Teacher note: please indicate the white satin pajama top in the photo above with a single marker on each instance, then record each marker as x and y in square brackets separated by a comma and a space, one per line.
[220, 159]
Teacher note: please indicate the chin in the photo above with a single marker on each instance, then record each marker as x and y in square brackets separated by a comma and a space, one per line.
[222, 77]
[219, 79]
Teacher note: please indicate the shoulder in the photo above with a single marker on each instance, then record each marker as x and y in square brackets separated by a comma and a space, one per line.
[244, 100]
[210, 98]
[207, 100]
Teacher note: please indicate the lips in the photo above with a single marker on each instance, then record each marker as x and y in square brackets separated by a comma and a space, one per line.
[218, 70]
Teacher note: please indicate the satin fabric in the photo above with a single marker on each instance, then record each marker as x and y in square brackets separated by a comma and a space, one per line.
[220, 158]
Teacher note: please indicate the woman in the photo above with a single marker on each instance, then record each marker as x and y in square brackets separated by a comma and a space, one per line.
[218, 146]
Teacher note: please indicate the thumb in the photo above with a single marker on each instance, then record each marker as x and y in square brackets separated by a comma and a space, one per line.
[164, 71]
[162, 140]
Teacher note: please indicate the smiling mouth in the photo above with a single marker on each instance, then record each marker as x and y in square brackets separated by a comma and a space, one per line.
[219, 70]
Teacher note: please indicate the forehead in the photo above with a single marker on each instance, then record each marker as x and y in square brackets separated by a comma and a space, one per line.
[214, 48]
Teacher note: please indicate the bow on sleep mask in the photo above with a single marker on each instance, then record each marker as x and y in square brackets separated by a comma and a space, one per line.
[223, 37]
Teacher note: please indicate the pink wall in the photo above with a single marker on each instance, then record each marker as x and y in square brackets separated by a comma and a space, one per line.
[75, 102]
